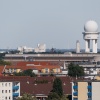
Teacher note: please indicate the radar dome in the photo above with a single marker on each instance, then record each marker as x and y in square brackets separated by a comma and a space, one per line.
[91, 26]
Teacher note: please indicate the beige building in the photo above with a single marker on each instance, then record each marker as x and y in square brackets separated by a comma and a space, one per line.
[51, 70]
[86, 90]
[37, 69]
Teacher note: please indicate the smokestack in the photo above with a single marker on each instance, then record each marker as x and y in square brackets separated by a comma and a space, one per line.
[77, 46]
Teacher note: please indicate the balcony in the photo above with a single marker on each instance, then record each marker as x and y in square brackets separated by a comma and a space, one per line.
[15, 87]
[89, 99]
[75, 87]
[75, 93]
[75, 98]
[89, 94]
[89, 87]
[15, 94]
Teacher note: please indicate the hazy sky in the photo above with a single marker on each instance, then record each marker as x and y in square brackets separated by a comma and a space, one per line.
[57, 23]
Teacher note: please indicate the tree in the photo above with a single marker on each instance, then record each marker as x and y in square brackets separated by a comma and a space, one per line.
[65, 97]
[26, 96]
[57, 91]
[27, 72]
[53, 96]
[2, 55]
[57, 87]
[2, 62]
[75, 70]
[19, 74]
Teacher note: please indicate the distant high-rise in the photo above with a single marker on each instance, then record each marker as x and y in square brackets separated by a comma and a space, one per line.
[77, 46]
[40, 48]
[22, 49]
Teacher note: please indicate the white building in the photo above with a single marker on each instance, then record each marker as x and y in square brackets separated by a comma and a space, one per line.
[40, 48]
[9, 90]
[91, 33]
[25, 49]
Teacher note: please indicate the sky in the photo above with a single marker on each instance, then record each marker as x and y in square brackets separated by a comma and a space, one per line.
[57, 23]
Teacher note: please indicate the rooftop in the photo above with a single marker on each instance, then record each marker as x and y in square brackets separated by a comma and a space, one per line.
[34, 86]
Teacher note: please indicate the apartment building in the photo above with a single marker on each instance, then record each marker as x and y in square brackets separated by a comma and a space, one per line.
[86, 90]
[9, 90]
[37, 69]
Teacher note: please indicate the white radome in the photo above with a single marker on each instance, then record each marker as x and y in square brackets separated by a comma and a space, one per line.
[91, 26]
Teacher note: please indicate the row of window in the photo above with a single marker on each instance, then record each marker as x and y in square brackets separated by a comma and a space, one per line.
[8, 98]
[10, 71]
[6, 91]
[6, 84]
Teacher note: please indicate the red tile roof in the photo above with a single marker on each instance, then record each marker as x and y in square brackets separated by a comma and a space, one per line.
[27, 84]
[24, 63]
[1, 70]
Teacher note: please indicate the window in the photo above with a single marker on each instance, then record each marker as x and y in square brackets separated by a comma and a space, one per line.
[14, 70]
[2, 91]
[98, 63]
[75, 84]
[57, 70]
[5, 91]
[9, 84]
[89, 90]
[5, 98]
[9, 98]
[89, 97]
[9, 91]
[5, 84]
[89, 84]
[94, 62]
[46, 70]
[75, 89]
[2, 84]
[75, 99]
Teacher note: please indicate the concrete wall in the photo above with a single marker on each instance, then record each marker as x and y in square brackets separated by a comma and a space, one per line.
[95, 90]
[44, 70]
[56, 70]
[82, 91]
[6, 91]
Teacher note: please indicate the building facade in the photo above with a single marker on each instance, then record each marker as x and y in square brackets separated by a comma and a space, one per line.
[86, 90]
[91, 33]
[9, 90]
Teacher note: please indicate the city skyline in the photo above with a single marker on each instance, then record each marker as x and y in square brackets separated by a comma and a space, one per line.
[56, 23]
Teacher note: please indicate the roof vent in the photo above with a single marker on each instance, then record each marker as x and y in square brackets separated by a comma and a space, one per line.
[27, 82]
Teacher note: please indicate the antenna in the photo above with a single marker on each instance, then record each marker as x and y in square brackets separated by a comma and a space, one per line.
[4, 69]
